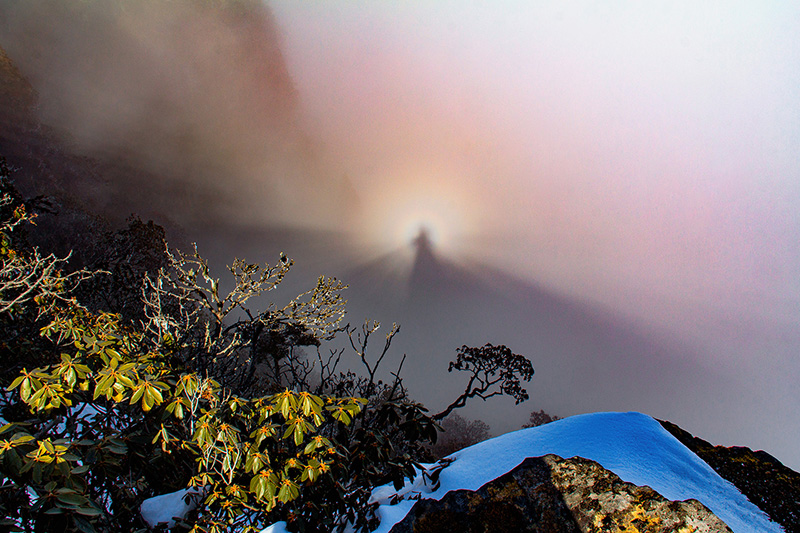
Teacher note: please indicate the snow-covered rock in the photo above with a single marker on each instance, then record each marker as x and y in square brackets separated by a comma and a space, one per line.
[632, 445]
[555, 495]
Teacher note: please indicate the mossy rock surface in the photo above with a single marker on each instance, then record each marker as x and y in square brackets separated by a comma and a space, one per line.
[554, 495]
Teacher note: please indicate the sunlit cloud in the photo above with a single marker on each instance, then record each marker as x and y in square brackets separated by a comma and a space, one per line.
[396, 210]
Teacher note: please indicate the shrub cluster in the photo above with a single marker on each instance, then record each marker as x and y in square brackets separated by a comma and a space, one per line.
[540, 418]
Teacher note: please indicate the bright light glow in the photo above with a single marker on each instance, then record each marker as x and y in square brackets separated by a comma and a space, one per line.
[423, 215]
[395, 217]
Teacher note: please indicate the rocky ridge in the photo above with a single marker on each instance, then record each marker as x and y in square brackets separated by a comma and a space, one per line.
[766, 482]
[555, 495]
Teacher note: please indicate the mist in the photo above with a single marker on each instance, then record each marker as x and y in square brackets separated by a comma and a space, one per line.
[639, 160]
[195, 97]
[610, 190]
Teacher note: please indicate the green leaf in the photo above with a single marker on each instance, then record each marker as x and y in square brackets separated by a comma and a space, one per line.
[16, 382]
[71, 499]
[156, 394]
[25, 390]
[147, 400]
[125, 381]
[88, 511]
[21, 439]
[70, 378]
[82, 469]
[258, 486]
[137, 395]
[289, 491]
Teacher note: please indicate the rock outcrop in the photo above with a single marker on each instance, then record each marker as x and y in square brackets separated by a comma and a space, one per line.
[766, 482]
[553, 495]
[17, 96]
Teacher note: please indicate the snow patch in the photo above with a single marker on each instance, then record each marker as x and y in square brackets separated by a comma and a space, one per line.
[167, 507]
[277, 527]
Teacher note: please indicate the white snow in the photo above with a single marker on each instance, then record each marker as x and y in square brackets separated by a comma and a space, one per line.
[632, 445]
[277, 527]
[166, 507]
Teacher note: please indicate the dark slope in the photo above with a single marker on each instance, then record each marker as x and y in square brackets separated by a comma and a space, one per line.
[42, 165]
[179, 111]
[17, 97]
[596, 341]
[766, 482]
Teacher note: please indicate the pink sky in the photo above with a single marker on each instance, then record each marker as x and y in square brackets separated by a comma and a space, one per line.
[611, 134]
[644, 156]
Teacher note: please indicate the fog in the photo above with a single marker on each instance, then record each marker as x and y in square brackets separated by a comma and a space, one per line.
[611, 190]
[640, 159]
[193, 96]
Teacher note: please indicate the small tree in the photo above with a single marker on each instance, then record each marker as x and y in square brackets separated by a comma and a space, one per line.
[121, 260]
[493, 371]
[458, 433]
[217, 332]
[539, 418]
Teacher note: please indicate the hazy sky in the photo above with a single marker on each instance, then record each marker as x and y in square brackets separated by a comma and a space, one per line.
[645, 156]
[617, 133]
[610, 188]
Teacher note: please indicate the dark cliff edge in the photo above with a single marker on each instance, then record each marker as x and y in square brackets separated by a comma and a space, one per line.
[764, 480]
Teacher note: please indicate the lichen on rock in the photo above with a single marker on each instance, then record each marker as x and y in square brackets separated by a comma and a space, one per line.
[554, 495]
